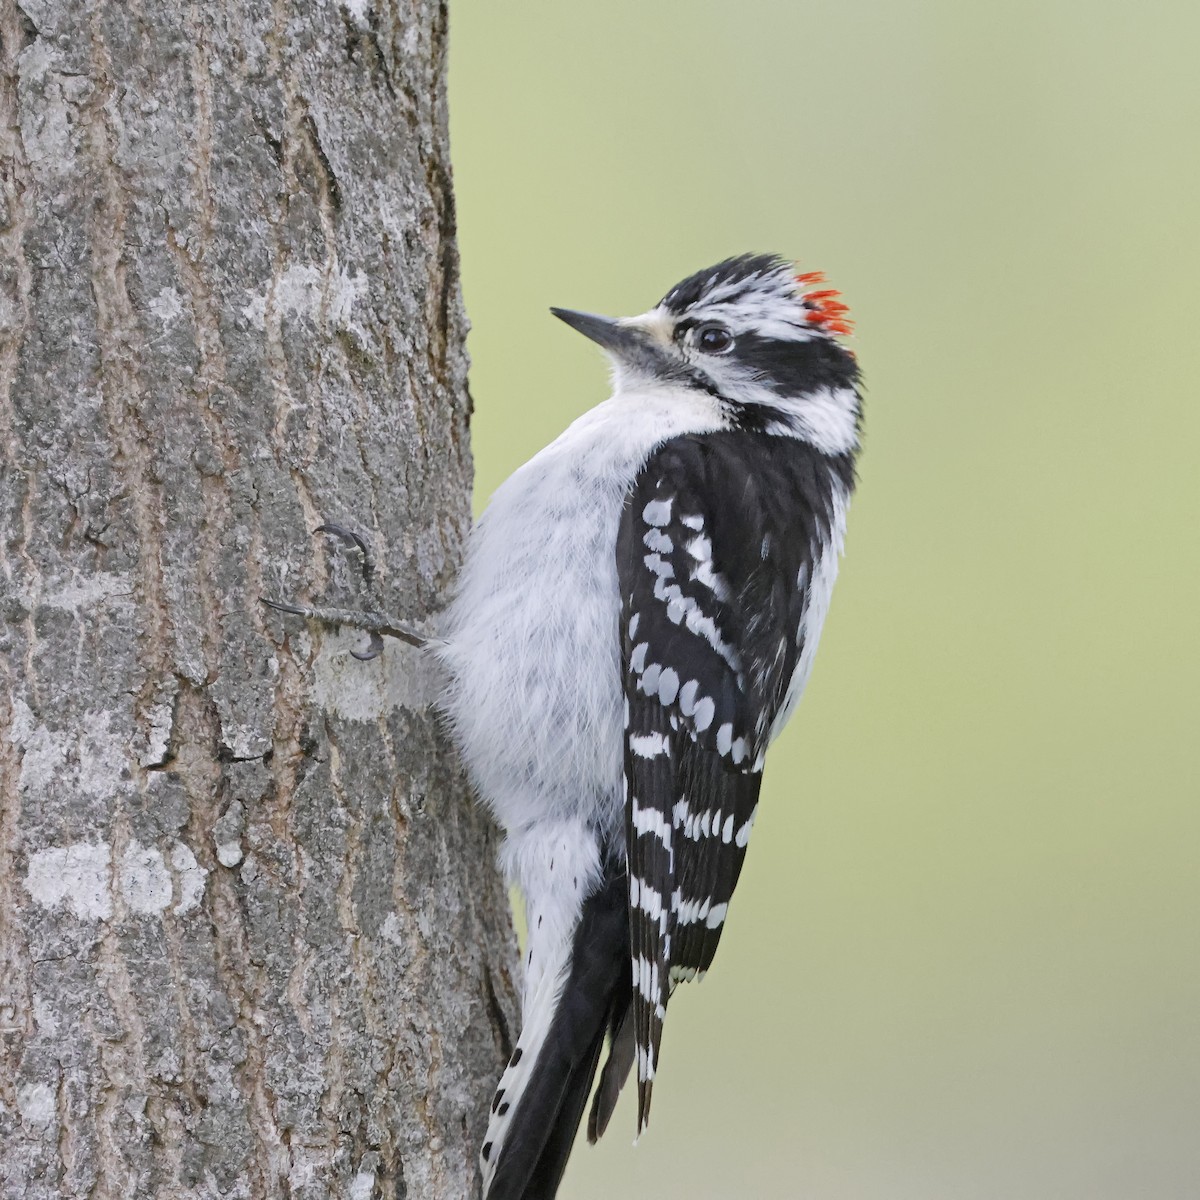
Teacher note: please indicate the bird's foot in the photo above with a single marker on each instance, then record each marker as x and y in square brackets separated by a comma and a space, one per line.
[378, 624]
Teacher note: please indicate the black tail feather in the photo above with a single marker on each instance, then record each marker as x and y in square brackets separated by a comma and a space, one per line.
[542, 1131]
[548, 1173]
[621, 1054]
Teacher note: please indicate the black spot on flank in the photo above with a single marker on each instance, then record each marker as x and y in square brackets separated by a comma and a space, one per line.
[552, 864]
[575, 881]
[530, 958]
[504, 1108]
[516, 1057]
[539, 922]
[487, 1151]
[497, 1098]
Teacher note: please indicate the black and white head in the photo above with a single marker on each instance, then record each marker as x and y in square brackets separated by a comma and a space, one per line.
[751, 332]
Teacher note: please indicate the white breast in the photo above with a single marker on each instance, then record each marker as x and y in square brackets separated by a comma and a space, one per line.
[531, 639]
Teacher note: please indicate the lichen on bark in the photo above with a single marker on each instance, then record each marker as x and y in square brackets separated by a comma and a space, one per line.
[252, 941]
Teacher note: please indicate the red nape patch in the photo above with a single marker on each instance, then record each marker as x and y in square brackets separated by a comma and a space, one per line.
[825, 310]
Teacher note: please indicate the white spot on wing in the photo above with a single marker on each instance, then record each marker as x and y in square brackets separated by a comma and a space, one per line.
[650, 820]
[648, 900]
[706, 823]
[703, 626]
[693, 912]
[657, 512]
[646, 979]
[645, 1057]
[648, 745]
[724, 738]
[659, 566]
[711, 579]
[743, 834]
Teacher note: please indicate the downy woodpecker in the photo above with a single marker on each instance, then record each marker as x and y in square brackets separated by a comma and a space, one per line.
[635, 621]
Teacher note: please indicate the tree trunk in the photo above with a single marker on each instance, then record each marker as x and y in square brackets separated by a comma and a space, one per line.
[252, 942]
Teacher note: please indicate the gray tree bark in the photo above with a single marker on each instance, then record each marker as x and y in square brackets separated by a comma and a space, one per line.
[252, 942]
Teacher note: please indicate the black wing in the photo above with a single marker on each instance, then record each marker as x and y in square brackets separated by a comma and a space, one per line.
[718, 540]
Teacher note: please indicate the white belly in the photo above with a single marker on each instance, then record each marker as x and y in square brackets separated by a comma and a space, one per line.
[531, 638]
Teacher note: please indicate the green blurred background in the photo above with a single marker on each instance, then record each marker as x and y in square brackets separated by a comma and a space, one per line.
[964, 959]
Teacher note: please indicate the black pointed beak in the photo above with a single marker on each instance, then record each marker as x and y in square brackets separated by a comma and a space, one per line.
[631, 346]
[612, 335]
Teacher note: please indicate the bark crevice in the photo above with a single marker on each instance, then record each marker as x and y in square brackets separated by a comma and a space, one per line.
[252, 941]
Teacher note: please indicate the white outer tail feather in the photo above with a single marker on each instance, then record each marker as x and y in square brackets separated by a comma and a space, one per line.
[553, 903]
[539, 1010]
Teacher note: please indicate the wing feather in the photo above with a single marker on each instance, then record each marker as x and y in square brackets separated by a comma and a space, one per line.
[717, 544]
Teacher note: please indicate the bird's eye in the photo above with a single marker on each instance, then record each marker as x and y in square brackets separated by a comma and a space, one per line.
[714, 339]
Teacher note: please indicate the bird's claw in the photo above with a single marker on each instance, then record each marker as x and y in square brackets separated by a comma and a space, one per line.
[294, 609]
[374, 648]
[350, 538]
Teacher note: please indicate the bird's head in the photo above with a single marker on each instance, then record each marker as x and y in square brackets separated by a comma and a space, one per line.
[751, 332]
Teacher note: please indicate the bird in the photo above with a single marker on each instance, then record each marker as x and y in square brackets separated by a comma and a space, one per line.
[635, 620]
